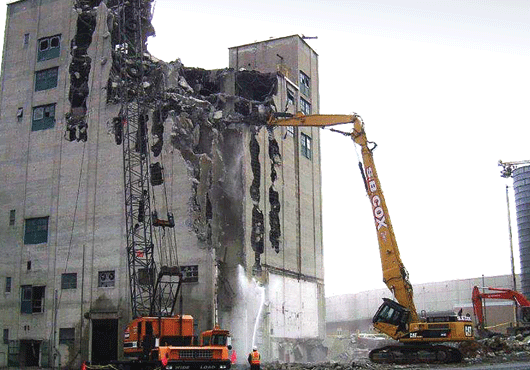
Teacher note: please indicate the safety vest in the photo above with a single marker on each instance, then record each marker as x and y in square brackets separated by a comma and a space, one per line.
[255, 358]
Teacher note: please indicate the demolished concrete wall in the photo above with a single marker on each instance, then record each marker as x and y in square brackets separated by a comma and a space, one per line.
[208, 142]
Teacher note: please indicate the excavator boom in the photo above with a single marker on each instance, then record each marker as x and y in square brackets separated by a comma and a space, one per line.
[398, 319]
[395, 276]
[522, 302]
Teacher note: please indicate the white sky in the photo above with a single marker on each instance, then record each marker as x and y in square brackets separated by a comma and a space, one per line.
[444, 89]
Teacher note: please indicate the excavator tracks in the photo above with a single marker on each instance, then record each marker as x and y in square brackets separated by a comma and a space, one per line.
[413, 354]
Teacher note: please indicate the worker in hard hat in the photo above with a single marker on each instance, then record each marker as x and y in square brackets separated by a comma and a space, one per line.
[254, 359]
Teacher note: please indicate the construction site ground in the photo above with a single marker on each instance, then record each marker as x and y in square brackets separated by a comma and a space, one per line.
[498, 352]
[500, 363]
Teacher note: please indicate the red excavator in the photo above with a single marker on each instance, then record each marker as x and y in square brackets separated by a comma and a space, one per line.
[522, 322]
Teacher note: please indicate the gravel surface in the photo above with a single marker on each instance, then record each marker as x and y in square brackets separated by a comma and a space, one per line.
[495, 350]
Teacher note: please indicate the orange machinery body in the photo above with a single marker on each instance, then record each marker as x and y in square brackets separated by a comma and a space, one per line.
[523, 306]
[145, 331]
[211, 353]
[171, 340]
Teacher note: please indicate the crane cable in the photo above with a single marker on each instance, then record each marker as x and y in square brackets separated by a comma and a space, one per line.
[167, 249]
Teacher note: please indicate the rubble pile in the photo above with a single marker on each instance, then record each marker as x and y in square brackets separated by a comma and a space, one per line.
[497, 346]
[350, 352]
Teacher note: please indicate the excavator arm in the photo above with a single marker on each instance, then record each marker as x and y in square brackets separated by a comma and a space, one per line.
[392, 318]
[498, 293]
[398, 319]
[395, 275]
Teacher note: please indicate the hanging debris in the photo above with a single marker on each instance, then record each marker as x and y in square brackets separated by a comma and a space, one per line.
[76, 123]
[274, 198]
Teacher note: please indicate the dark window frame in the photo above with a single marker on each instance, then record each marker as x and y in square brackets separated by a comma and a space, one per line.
[305, 84]
[66, 335]
[69, 280]
[306, 145]
[43, 117]
[32, 299]
[106, 279]
[305, 106]
[6, 336]
[12, 217]
[48, 48]
[190, 273]
[290, 97]
[39, 230]
[46, 79]
[7, 288]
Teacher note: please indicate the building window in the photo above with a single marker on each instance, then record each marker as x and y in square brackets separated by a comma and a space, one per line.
[36, 231]
[66, 335]
[146, 276]
[290, 130]
[69, 281]
[49, 48]
[12, 217]
[305, 84]
[6, 336]
[305, 106]
[43, 117]
[190, 274]
[26, 39]
[28, 265]
[290, 98]
[20, 114]
[8, 284]
[306, 145]
[106, 279]
[46, 79]
[32, 299]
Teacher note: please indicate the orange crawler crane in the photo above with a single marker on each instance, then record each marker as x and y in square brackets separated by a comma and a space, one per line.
[212, 352]
[156, 336]
[153, 341]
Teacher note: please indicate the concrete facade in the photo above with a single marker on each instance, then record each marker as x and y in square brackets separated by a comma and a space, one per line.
[352, 313]
[293, 275]
[66, 292]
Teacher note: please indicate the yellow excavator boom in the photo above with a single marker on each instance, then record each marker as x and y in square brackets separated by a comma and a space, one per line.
[395, 275]
[398, 319]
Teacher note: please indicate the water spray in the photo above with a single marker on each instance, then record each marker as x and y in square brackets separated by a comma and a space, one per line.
[258, 316]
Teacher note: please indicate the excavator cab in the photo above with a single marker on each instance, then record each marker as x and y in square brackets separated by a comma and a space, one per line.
[392, 313]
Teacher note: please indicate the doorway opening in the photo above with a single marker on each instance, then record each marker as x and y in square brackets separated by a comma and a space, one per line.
[29, 353]
[104, 341]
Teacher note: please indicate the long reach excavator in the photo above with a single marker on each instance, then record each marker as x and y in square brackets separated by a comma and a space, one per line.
[421, 337]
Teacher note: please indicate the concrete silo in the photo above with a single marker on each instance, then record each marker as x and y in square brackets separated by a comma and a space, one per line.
[521, 186]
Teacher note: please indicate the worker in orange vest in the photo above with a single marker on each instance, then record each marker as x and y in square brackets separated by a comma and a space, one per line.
[254, 359]
[233, 357]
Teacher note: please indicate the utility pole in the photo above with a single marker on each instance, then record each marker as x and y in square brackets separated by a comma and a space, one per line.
[484, 301]
[511, 240]
[516, 319]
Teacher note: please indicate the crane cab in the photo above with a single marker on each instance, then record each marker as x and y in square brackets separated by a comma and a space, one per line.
[145, 334]
[215, 337]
